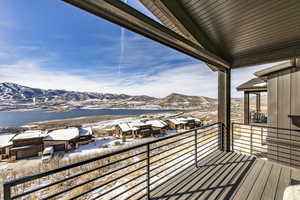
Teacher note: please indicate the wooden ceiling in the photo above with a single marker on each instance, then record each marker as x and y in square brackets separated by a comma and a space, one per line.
[244, 33]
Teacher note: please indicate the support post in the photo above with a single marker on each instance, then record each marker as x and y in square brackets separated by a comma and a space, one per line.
[224, 104]
[246, 108]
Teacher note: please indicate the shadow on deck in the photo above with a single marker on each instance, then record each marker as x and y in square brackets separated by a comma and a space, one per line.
[228, 176]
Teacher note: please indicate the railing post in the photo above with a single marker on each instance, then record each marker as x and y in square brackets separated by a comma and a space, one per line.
[251, 148]
[232, 135]
[6, 188]
[221, 137]
[148, 171]
[196, 151]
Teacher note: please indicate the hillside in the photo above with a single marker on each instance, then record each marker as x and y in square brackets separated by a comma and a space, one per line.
[14, 96]
[186, 101]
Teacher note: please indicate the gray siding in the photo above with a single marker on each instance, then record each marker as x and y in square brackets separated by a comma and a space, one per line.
[284, 100]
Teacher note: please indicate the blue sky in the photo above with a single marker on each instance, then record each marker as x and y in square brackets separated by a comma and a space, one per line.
[53, 45]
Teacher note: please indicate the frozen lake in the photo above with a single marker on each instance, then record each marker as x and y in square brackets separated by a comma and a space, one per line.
[18, 118]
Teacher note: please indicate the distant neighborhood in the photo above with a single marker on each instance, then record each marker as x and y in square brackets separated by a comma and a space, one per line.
[34, 143]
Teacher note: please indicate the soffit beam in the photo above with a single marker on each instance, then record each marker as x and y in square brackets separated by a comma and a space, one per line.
[174, 11]
[178, 12]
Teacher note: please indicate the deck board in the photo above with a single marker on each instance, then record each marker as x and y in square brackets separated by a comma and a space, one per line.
[185, 190]
[221, 183]
[284, 180]
[228, 176]
[247, 185]
[261, 181]
[232, 180]
[271, 185]
[211, 183]
[177, 182]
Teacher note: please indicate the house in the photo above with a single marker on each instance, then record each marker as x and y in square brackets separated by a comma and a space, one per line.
[123, 130]
[281, 82]
[141, 129]
[181, 123]
[27, 144]
[176, 124]
[255, 86]
[5, 145]
[192, 122]
[85, 136]
[62, 139]
[158, 126]
[133, 129]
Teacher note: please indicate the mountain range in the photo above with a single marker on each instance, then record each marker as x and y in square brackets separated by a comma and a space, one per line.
[14, 96]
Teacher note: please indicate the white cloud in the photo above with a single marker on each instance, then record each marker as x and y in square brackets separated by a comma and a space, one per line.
[195, 79]
[31, 73]
[242, 75]
[191, 79]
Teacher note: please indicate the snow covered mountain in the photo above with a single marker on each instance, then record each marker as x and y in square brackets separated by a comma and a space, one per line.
[14, 96]
[21, 94]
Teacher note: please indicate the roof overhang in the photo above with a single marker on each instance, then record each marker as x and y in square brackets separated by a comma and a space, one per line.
[223, 34]
[253, 85]
[245, 33]
[120, 13]
[273, 69]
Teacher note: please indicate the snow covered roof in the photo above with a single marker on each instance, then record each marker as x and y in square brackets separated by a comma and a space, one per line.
[137, 124]
[182, 120]
[63, 134]
[30, 134]
[85, 131]
[157, 123]
[5, 139]
[124, 127]
[178, 121]
[131, 126]
[193, 118]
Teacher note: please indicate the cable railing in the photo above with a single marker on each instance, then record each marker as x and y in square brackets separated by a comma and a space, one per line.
[128, 173]
[281, 145]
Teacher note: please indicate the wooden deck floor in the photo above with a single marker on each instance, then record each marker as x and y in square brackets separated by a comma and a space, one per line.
[228, 176]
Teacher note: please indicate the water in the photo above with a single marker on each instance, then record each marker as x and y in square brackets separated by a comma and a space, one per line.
[18, 118]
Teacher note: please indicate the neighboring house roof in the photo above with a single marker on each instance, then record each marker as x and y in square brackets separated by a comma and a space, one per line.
[259, 84]
[30, 135]
[193, 118]
[63, 134]
[85, 131]
[178, 121]
[131, 126]
[273, 69]
[182, 120]
[157, 123]
[255, 84]
[124, 127]
[5, 139]
[174, 121]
